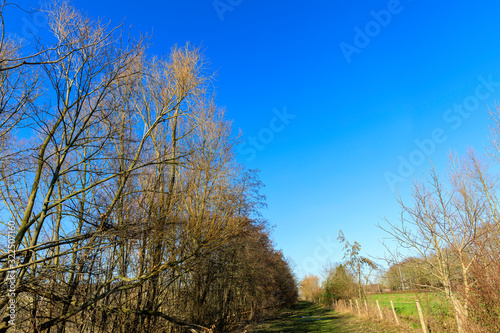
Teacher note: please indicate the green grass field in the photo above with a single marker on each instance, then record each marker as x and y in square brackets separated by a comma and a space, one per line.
[436, 309]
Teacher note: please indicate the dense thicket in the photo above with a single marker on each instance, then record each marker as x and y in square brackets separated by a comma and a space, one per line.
[340, 284]
[117, 169]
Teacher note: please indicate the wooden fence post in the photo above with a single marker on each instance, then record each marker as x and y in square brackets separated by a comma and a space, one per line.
[394, 312]
[350, 301]
[357, 305]
[421, 315]
[379, 311]
[366, 307]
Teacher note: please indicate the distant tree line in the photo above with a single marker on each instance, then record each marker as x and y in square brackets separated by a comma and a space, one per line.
[120, 190]
[410, 274]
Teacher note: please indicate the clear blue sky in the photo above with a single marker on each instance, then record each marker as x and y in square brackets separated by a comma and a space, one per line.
[358, 100]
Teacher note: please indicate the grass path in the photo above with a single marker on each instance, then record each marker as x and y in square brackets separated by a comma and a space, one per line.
[309, 317]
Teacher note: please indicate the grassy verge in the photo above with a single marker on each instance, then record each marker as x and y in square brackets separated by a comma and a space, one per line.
[309, 317]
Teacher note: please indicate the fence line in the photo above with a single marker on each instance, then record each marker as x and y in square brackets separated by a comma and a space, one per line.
[372, 312]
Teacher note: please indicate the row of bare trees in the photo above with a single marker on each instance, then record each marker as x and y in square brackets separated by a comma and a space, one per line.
[117, 168]
[451, 232]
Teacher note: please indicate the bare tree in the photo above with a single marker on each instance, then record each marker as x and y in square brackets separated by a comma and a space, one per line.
[440, 228]
[356, 262]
